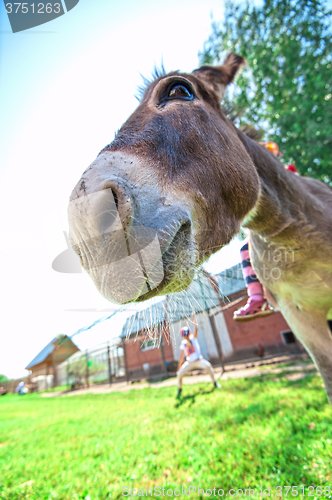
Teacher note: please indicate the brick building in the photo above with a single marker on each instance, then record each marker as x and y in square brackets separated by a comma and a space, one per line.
[272, 332]
[146, 357]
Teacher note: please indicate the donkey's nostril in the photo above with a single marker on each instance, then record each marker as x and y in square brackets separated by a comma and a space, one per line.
[183, 235]
[116, 199]
[101, 209]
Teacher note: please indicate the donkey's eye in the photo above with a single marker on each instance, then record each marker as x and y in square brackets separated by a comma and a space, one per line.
[179, 91]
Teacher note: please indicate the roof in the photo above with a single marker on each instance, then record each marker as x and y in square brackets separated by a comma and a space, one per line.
[45, 352]
[199, 296]
[145, 319]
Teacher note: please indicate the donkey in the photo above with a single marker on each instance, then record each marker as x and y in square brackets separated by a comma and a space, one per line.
[180, 179]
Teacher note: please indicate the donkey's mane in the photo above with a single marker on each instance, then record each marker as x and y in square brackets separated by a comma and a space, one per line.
[251, 132]
[157, 72]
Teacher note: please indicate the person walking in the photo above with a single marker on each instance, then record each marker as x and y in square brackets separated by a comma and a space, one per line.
[191, 350]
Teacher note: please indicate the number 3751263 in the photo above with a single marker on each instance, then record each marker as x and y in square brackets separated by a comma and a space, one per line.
[33, 8]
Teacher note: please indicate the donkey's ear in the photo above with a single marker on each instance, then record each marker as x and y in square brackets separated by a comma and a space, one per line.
[218, 77]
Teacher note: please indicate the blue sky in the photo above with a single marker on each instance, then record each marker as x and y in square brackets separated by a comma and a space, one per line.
[65, 88]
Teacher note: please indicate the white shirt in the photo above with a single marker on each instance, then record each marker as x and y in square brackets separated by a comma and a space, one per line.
[191, 348]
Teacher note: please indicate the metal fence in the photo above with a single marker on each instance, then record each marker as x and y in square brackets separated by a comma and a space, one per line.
[102, 364]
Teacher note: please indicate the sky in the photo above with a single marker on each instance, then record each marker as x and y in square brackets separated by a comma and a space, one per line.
[65, 88]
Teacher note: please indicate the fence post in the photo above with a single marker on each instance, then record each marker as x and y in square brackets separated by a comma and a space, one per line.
[67, 372]
[125, 359]
[216, 339]
[46, 379]
[67, 363]
[112, 359]
[118, 362]
[162, 350]
[54, 384]
[87, 368]
[109, 363]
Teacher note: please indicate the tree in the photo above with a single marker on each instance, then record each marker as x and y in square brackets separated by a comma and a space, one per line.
[286, 90]
[3, 378]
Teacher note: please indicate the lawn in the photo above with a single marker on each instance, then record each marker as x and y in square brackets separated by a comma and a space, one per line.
[252, 433]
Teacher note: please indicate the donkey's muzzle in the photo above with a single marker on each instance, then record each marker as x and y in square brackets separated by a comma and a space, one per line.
[111, 248]
[127, 236]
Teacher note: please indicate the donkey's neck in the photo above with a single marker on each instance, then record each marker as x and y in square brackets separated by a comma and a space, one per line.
[279, 214]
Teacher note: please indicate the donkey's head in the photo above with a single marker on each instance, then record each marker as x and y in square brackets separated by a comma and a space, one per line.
[170, 190]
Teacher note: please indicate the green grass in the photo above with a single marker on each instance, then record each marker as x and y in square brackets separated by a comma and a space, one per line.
[251, 433]
[270, 366]
[59, 388]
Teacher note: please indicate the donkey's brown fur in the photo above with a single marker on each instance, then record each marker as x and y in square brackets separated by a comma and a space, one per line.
[180, 167]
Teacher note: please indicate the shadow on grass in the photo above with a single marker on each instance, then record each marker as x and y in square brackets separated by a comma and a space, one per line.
[191, 398]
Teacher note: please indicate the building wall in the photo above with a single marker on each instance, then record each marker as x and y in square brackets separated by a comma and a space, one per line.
[248, 335]
[205, 325]
[136, 357]
[41, 369]
[42, 382]
[224, 337]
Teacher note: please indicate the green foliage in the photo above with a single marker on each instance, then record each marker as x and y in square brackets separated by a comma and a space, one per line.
[3, 378]
[251, 433]
[287, 88]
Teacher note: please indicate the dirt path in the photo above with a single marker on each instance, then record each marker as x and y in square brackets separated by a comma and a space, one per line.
[296, 371]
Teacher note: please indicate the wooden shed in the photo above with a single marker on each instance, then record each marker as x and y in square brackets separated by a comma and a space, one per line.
[55, 352]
